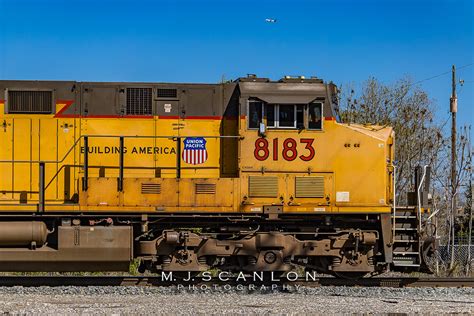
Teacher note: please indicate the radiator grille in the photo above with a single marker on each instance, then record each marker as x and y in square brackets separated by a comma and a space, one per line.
[139, 101]
[263, 186]
[40, 102]
[205, 188]
[151, 188]
[166, 93]
[309, 187]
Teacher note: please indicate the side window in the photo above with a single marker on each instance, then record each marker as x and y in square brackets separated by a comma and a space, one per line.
[286, 115]
[315, 115]
[291, 115]
[300, 116]
[270, 115]
[255, 113]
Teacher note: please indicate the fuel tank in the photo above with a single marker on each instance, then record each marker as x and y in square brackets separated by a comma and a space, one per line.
[22, 234]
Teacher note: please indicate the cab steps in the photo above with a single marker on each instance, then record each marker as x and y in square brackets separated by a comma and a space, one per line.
[406, 242]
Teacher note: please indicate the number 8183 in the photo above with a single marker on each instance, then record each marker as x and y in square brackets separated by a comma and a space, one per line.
[289, 150]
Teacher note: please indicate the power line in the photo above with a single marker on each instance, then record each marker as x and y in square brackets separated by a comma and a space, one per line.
[441, 74]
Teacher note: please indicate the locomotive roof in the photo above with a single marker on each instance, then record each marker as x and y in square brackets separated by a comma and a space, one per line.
[194, 99]
[249, 78]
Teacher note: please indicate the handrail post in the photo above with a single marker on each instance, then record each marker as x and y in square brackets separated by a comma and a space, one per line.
[418, 189]
[121, 160]
[178, 158]
[86, 164]
[394, 202]
[41, 187]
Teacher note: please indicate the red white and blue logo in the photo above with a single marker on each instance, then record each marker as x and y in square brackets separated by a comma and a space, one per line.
[194, 151]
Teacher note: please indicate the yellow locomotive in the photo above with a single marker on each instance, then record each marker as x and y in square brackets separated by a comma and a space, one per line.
[251, 175]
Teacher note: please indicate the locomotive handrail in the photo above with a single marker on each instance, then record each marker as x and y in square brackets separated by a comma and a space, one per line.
[394, 201]
[42, 163]
[418, 197]
[116, 167]
[111, 136]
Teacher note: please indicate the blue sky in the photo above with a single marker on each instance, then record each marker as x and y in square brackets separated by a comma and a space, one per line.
[204, 41]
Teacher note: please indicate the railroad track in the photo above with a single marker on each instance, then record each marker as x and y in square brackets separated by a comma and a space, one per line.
[397, 282]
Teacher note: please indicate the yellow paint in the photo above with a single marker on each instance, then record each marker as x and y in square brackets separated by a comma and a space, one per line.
[354, 161]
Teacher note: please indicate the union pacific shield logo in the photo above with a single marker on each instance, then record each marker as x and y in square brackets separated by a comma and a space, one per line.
[194, 151]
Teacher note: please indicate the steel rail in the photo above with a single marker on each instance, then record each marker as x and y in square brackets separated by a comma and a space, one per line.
[394, 282]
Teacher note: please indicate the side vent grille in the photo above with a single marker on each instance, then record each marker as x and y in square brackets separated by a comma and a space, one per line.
[151, 188]
[139, 101]
[205, 188]
[30, 102]
[167, 93]
[309, 187]
[263, 186]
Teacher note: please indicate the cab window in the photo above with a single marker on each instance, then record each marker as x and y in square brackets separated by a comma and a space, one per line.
[315, 115]
[284, 116]
[270, 115]
[300, 116]
[255, 113]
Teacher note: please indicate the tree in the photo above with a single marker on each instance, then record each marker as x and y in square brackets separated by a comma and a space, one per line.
[408, 109]
[420, 139]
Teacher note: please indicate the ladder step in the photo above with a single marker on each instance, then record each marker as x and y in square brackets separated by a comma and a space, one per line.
[404, 216]
[405, 208]
[406, 228]
[406, 240]
[402, 261]
[403, 264]
[405, 213]
[405, 248]
[406, 253]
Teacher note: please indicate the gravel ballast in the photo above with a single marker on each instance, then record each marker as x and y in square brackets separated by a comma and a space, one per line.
[161, 300]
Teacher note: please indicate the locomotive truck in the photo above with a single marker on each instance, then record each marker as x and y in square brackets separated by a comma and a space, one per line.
[248, 175]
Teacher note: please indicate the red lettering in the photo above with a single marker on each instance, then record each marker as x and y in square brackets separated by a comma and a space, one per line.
[287, 148]
[261, 145]
[289, 152]
[275, 149]
[309, 146]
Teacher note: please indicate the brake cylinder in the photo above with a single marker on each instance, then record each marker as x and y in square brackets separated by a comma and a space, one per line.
[22, 234]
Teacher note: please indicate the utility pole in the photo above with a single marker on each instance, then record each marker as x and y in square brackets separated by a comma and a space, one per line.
[469, 243]
[453, 109]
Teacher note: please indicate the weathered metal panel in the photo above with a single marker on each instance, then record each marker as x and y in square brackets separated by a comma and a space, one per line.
[101, 192]
[100, 100]
[80, 248]
[263, 186]
[29, 101]
[154, 192]
[309, 187]
[206, 193]
[151, 188]
[205, 188]
[139, 101]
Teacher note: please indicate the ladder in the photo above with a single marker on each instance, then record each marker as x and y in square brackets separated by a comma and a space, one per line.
[406, 240]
